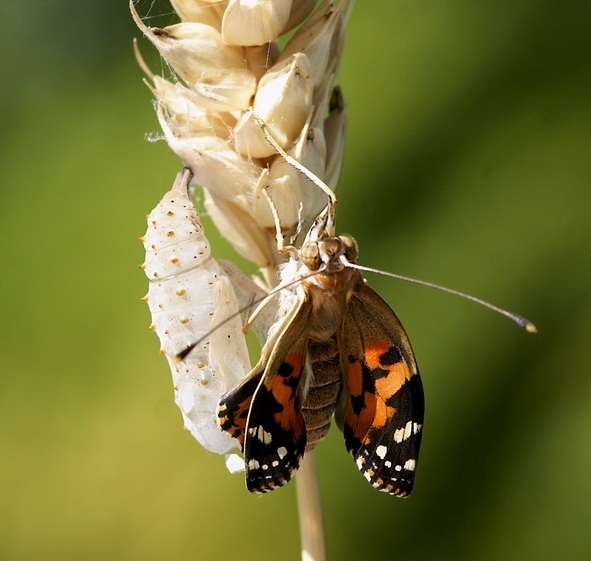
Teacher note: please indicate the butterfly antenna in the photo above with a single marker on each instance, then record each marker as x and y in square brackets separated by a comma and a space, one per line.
[332, 199]
[521, 321]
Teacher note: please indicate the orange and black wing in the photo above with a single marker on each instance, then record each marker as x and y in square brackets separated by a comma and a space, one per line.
[383, 405]
[264, 411]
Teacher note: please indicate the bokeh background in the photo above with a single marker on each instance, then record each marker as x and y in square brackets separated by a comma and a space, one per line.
[468, 164]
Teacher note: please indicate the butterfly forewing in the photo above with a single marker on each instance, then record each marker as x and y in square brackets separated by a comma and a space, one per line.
[383, 404]
[265, 413]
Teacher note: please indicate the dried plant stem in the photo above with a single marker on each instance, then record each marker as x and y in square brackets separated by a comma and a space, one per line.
[310, 511]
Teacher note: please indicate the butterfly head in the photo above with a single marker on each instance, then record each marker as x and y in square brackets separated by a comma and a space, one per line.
[330, 255]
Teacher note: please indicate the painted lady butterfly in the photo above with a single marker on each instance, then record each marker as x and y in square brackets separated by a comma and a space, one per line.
[336, 349]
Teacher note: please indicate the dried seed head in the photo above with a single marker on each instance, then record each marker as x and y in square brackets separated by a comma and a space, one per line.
[228, 56]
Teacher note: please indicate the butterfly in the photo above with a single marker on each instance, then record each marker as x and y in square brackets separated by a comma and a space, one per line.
[336, 349]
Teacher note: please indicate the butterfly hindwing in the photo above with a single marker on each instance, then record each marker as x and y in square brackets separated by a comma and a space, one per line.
[383, 405]
[276, 435]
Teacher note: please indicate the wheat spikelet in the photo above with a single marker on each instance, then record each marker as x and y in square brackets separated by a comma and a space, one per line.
[227, 66]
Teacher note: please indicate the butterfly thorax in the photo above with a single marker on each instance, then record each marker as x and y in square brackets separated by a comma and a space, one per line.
[328, 282]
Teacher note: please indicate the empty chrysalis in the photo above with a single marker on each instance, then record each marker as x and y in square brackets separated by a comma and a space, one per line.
[189, 295]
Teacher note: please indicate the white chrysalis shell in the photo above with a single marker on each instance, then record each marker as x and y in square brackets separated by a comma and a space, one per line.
[189, 295]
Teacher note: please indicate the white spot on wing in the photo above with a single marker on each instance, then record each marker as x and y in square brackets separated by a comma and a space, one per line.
[282, 452]
[264, 436]
[407, 430]
[404, 433]
[381, 451]
[410, 465]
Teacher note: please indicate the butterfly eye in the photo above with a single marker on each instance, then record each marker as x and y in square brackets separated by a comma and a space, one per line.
[350, 248]
[310, 256]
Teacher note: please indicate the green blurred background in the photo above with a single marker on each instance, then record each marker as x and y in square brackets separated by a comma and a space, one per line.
[468, 164]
